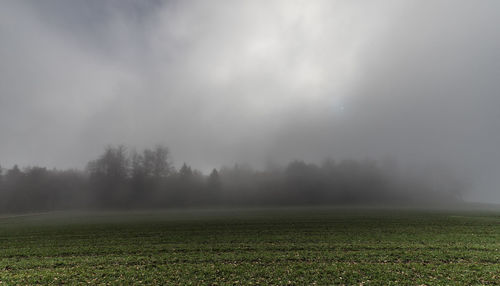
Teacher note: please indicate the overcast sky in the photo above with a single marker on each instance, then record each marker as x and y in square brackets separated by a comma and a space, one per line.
[221, 82]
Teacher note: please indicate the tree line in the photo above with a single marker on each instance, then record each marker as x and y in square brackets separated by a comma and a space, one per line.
[123, 179]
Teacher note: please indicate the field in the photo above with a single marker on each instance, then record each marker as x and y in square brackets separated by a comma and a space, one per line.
[300, 246]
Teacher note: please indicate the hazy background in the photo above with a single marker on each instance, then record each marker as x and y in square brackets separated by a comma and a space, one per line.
[262, 82]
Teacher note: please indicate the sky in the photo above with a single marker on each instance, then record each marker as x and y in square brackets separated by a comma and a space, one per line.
[257, 82]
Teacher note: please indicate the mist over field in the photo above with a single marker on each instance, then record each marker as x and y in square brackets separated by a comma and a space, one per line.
[410, 87]
[249, 142]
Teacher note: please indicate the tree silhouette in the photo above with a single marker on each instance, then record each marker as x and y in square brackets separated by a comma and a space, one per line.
[109, 175]
[122, 179]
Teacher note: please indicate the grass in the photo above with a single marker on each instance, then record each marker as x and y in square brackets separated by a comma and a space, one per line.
[261, 246]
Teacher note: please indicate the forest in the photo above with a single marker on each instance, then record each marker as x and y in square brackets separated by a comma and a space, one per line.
[123, 178]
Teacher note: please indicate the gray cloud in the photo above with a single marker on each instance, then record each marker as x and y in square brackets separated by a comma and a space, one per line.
[256, 81]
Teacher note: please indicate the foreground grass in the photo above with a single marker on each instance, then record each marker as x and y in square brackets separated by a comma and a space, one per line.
[279, 247]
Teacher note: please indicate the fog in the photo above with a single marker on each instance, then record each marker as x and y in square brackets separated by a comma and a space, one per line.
[255, 82]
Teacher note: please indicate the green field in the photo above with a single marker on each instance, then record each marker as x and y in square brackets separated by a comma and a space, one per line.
[299, 246]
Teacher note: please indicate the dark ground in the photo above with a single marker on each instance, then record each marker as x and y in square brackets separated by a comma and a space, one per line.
[299, 246]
